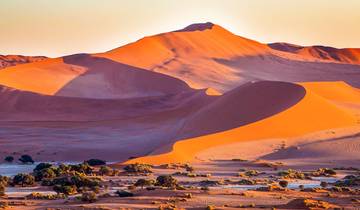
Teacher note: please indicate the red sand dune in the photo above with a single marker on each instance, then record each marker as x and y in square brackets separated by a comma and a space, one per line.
[12, 60]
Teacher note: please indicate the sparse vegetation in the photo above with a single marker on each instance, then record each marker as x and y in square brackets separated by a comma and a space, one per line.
[292, 174]
[106, 171]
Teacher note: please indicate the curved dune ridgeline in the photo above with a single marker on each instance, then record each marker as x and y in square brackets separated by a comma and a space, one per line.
[313, 113]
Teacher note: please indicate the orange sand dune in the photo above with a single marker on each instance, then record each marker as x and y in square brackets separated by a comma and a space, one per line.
[312, 113]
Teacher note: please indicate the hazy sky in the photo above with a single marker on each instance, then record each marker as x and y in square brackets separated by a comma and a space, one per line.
[54, 28]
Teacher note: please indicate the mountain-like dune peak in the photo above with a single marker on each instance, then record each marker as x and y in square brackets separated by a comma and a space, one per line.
[12, 60]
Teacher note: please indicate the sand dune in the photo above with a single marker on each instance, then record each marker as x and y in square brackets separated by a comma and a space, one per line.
[312, 113]
[12, 60]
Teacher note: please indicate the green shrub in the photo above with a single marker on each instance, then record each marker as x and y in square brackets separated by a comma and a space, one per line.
[292, 174]
[23, 180]
[95, 162]
[166, 181]
[9, 159]
[26, 159]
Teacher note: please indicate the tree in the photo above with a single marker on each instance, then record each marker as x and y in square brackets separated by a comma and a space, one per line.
[23, 180]
[138, 168]
[9, 159]
[26, 159]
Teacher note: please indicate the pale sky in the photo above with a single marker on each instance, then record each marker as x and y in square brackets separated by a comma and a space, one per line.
[55, 28]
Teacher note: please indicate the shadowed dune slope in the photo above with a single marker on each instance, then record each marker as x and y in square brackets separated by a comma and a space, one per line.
[312, 113]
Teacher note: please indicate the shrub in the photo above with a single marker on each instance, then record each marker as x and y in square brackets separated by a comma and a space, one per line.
[9, 159]
[292, 174]
[46, 173]
[89, 197]
[166, 181]
[42, 166]
[123, 193]
[4, 180]
[105, 170]
[283, 183]
[251, 173]
[2, 189]
[323, 184]
[81, 168]
[95, 162]
[138, 168]
[67, 189]
[23, 180]
[26, 159]
[324, 172]
[144, 182]
[39, 196]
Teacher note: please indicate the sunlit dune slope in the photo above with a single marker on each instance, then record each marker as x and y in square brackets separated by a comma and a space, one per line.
[312, 113]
